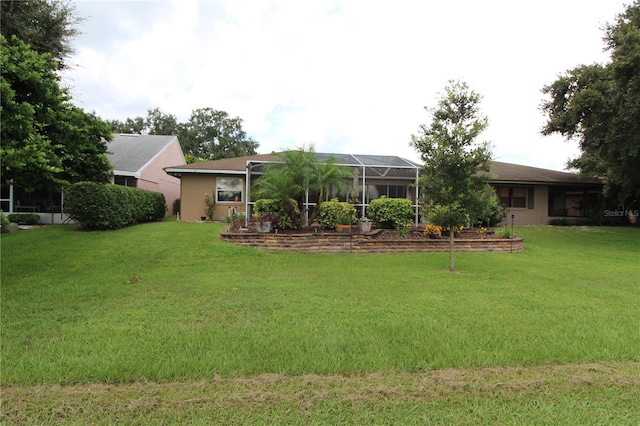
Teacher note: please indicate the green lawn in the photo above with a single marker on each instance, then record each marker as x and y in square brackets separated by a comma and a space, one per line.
[171, 304]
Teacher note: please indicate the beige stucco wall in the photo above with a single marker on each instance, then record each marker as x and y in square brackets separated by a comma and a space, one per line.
[194, 187]
[536, 216]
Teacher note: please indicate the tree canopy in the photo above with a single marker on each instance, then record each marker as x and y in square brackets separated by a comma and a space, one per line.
[453, 188]
[209, 134]
[599, 106]
[48, 26]
[47, 142]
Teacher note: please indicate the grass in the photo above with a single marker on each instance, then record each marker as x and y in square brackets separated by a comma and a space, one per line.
[164, 322]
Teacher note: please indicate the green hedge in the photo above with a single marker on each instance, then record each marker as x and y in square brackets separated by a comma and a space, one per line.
[100, 206]
[390, 212]
[336, 212]
[27, 218]
[274, 207]
[4, 222]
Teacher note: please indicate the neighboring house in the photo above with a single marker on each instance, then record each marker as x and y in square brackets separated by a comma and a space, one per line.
[533, 195]
[138, 161]
[230, 181]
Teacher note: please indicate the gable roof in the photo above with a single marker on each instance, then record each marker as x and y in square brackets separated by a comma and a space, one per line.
[129, 154]
[516, 173]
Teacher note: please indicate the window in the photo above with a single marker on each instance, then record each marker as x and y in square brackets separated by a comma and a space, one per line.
[515, 196]
[573, 202]
[126, 181]
[229, 190]
[390, 191]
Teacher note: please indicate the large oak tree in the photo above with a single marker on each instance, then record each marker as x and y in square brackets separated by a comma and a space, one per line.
[599, 106]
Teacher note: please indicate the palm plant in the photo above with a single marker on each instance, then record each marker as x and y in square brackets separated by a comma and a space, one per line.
[296, 173]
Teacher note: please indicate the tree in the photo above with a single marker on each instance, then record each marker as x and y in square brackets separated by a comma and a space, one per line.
[47, 142]
[296, 173]
[211, 135]
[451, 178]
[599, 106]
[156, 123]
[47, 26]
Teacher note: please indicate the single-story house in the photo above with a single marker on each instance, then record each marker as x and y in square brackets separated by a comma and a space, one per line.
[533, 195]
[137, 160]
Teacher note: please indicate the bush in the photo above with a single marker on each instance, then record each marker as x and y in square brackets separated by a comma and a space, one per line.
[274, 208]
[4, 222]
[334, 212]
[176, 206]
[433, 231]
[390, 212]
[100, 206]
[26, 218]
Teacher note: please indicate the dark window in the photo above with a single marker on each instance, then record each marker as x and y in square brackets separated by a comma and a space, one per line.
[572, 202]
[126, 181]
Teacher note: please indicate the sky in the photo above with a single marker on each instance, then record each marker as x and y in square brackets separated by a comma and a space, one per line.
[346, 76]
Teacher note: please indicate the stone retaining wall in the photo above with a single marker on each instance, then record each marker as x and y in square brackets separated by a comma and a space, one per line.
[364, 243]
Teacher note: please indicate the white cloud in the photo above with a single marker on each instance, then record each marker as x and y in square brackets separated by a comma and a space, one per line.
[348, 76]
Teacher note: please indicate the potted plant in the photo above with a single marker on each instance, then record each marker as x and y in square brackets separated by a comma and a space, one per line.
[264, 221]
[365, 224]
[343, 223]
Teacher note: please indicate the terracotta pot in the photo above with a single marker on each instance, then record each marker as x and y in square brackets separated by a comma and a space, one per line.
[343, 228]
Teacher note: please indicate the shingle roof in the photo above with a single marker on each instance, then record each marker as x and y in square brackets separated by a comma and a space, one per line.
[515, 173]
[130, 153]
[501, 172]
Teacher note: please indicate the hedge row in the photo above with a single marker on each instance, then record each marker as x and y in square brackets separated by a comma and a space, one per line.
[100, 206]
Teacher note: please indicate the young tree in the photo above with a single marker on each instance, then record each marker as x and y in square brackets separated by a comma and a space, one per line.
[599, 106]
[450, 177]
[47, 142]
[48, 26]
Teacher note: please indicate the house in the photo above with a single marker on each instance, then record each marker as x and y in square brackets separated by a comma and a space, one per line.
[137, 160]
[533, 195]
[231, 180]
[536, 196]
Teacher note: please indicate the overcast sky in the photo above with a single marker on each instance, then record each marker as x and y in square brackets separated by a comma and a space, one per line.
[347, 76]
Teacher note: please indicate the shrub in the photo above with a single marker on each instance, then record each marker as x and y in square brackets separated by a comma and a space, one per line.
[390, 212]
[334, 212]
[26, 218]
[432, 231]
[274, 208]
[99, 206]
[176, 205]
[4, 222]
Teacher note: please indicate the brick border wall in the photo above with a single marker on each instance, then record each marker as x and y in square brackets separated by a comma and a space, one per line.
[364, 243]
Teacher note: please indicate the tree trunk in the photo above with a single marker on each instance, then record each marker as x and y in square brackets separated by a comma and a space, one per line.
[451, 235]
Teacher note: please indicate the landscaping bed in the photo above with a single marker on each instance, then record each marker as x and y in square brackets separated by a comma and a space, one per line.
[376, 241]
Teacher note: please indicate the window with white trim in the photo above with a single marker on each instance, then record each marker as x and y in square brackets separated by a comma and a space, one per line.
[229, 190]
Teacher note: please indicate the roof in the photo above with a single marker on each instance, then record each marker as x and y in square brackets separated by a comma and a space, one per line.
[376, 165]
[515, 173]
[129, 154]
[383, 166]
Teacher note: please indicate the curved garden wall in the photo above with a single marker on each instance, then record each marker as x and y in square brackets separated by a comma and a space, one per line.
[366, 243]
